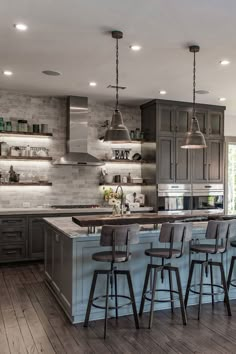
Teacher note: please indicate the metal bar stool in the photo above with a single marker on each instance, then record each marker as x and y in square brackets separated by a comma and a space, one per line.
[218, 232]
[115, 236]
[230, 281]
[175, 234]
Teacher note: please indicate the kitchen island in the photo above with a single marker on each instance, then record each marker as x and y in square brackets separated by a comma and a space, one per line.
[69, 267]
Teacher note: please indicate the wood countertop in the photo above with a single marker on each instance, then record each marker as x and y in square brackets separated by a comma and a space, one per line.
[144, 218]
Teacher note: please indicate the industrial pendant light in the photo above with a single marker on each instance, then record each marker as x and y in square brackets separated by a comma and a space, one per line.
[117, 132]
[194, 139]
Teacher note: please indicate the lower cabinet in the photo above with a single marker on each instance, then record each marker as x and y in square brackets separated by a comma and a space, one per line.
[36, 237]
[13, 238]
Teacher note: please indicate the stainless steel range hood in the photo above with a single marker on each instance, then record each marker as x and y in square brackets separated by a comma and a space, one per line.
[77, 134]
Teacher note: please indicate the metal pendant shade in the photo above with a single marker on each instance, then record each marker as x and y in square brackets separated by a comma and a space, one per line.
[117, 132]
[194, 138]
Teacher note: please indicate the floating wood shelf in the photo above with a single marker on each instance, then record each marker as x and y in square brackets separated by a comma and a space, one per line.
[28, 134]
[26, 184]
[127, 161]
[36, 158]
[135, 141]
[122, 184]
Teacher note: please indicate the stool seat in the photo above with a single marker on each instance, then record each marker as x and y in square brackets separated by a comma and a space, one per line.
[206, 248]
[233, 243]
[162, 252]
[108, 256]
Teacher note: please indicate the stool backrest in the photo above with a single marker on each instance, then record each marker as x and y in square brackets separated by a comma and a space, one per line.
[220, 230]
[176, 232]
[119, 235]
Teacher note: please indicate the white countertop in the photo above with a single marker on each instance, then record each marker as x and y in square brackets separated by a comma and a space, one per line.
[51, 211]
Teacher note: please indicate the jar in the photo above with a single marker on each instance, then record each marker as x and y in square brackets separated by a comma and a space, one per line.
[137, 134]
[132, 134]
[2, 125]
[8, 127]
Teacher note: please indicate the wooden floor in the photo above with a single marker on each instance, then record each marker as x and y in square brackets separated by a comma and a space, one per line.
[32, 322]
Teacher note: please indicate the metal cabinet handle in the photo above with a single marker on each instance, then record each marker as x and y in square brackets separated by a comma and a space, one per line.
[11, 221]
[11, 252]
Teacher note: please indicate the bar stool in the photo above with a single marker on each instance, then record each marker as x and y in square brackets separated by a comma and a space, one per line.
[218, 232]
[114, 236]
[231, 281]
[175, 234]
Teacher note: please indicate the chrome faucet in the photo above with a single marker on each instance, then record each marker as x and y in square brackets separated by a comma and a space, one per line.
[121, 198]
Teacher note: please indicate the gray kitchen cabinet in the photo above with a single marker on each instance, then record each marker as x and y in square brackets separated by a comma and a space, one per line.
[172, 120]
[208, 164]
[13, 238]
[182, 162]
[36, 237]
[58, 265]
[215, 124]
[166, 120]
[166, 160]
[183, 120]
[215, 161]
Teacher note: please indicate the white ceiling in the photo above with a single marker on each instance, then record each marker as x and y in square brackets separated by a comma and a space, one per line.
[72, 36]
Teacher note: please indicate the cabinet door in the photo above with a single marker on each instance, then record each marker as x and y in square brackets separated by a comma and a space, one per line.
[57, 261]
[148, 122]
[202, 117]
[48, 260]
[215, 161]
[183, 120]
[36, 238]
[215, 124]
[166, 160]
[166, 120]
[199, 165]
[182, 162]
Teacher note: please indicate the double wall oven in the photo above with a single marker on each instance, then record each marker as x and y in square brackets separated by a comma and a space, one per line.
[190, 199]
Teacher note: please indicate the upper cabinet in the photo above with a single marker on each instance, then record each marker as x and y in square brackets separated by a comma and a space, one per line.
[167, 123]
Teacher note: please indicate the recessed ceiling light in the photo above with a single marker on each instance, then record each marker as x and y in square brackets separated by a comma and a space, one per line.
[7, 72]
[51, 73]
[202, 92]
[92, 83]
[21, 26]
[225, 62]
[135, 47]
[162, 92]
[222, 99]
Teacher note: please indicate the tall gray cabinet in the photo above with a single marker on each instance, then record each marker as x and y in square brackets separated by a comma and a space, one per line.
[165, 124]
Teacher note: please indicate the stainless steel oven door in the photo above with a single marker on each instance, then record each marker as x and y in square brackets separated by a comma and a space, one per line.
[173, 199]
[208, 199]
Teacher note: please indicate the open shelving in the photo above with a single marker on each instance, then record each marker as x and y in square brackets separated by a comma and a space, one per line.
[128, 161]
[26, 184]
[25, 134]
[26, 158]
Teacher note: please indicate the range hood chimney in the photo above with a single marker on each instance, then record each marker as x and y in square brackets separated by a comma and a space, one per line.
[77, 134]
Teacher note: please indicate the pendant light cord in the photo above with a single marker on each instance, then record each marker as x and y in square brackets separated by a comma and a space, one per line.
[194, 85]
[117, 74]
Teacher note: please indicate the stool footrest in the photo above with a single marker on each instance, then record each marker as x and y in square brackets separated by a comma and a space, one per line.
[207, 284]
[162, 300]
[111, 297]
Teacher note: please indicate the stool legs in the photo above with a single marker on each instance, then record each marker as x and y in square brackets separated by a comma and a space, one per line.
[149, 267]
[224, 284]
[159, 268]
[116, 297]
[106, 305]
[91, 295]
[233, 259]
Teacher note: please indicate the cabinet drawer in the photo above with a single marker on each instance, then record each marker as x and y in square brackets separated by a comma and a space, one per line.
[12, 222]
[12, 235]
[12, 252]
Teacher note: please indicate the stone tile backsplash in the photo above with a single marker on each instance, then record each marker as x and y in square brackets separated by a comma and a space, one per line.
[71, 184]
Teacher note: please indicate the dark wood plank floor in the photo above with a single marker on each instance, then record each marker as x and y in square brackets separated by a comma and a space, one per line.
[32, 322]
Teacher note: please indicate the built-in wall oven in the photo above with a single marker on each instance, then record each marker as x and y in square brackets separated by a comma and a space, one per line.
[208, 198]
[173, 199]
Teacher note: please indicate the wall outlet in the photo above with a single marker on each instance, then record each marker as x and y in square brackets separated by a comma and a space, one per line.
[26, 204]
